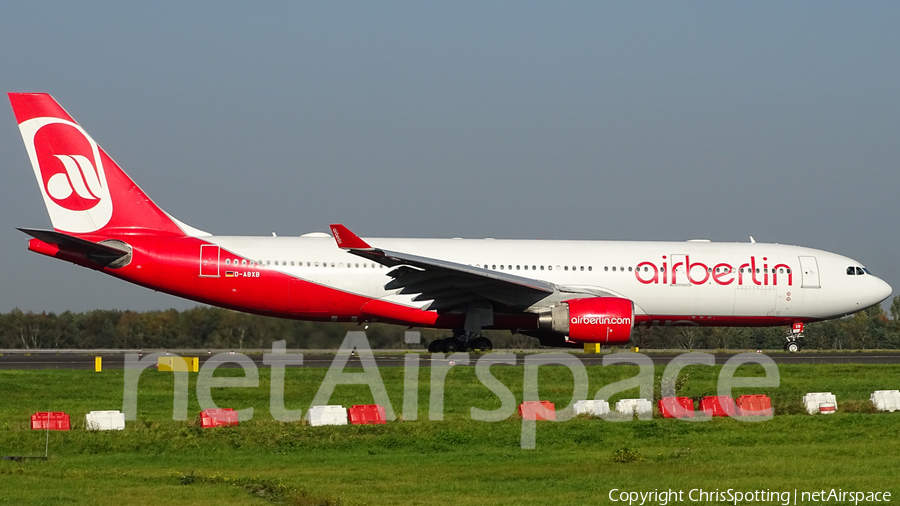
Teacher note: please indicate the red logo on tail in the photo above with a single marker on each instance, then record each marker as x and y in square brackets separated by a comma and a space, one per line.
[68, 168]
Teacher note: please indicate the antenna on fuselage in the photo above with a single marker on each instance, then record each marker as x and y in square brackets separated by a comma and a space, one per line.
[752, 240]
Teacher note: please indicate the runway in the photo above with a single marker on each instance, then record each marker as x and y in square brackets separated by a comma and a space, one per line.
[112, 359]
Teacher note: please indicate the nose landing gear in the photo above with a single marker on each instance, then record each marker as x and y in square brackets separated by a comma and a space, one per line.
[793, 339]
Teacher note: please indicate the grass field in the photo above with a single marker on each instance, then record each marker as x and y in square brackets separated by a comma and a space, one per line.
[455, 461]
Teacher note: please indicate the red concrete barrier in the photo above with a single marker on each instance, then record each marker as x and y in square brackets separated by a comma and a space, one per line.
[676, 407]
[52, 420]
[537, 410]
[218, 417]
[754, 405]
[718, 406]
[366, 414]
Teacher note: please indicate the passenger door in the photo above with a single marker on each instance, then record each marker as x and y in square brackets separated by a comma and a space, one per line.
[679, 274]
[809, 270]
[209, 261]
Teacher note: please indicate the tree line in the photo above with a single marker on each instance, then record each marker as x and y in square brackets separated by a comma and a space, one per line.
[216, 328]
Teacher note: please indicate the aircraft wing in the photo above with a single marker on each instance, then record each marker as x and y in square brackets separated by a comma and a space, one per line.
[446, 284]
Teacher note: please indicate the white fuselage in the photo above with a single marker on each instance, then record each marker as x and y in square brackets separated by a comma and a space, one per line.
[780, 285]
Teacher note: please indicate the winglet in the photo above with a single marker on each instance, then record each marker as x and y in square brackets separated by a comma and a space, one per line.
[346, 239]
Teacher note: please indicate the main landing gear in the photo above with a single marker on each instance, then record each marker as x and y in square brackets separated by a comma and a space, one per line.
[461, 342]
[793, 339]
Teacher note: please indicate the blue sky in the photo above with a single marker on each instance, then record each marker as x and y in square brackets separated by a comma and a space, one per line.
[587, 120]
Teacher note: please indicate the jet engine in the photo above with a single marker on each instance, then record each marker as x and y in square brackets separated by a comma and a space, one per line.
[606, 320]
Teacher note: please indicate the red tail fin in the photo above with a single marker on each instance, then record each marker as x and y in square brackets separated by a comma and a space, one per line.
[84, 190]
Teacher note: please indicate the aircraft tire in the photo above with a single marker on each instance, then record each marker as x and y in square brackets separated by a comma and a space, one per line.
[436, 346]
[793, 347]
[482, 344]
[452, 345]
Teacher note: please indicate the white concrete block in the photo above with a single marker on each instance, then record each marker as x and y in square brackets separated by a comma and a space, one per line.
[104, 420]
[632, 406]
[886, 400]
[327, 415]
[592, 407]
[820, 402]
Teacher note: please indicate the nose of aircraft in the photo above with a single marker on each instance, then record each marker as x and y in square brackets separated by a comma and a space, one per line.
[882, 289]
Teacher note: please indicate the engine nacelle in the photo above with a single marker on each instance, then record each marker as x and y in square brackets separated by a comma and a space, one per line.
[606, 320]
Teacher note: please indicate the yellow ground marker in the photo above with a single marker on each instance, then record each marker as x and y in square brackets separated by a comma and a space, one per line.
[189, 364]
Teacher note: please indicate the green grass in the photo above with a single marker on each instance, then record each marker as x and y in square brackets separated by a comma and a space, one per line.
[457, 460]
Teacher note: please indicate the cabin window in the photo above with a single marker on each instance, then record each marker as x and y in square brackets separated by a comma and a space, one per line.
[614, 268]
[590, 268]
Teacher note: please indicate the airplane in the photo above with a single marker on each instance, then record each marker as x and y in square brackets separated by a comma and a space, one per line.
[564, 293]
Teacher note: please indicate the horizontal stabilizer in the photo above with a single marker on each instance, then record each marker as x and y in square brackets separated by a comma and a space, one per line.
[100, 253]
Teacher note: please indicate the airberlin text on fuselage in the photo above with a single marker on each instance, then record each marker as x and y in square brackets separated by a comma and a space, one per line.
[697, 273]
[600, 320]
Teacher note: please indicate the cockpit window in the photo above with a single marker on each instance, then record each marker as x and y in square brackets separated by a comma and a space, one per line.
[866, 271]
[851, 271]
[859, 271]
